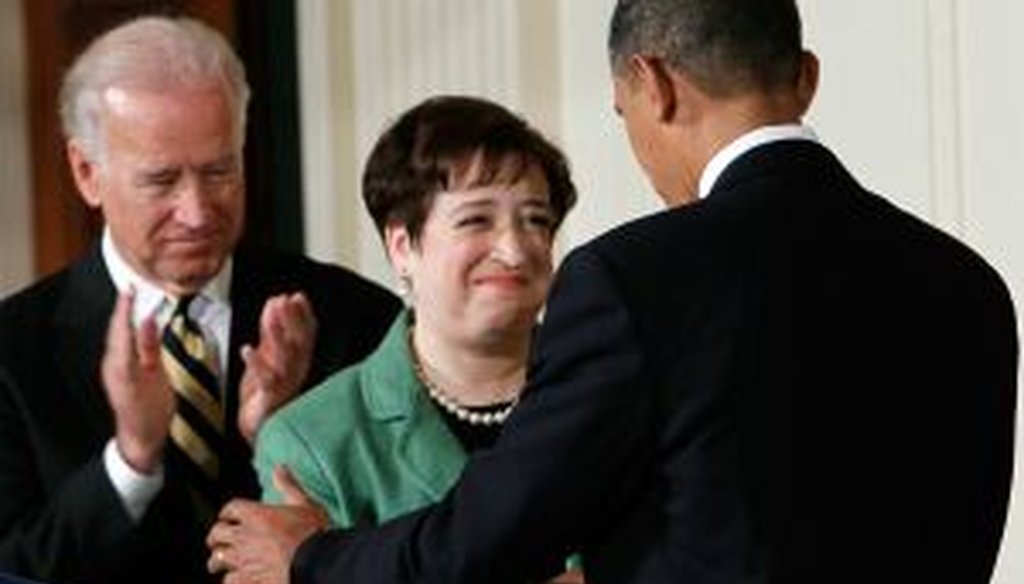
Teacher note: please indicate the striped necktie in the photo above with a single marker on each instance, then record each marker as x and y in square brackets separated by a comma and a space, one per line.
[197, 429]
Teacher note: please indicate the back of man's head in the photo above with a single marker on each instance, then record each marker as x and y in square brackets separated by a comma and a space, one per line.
[151, 53]
[725, 47]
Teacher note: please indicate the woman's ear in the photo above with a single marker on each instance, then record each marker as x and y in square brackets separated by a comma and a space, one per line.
[398, 244]
[400, 247]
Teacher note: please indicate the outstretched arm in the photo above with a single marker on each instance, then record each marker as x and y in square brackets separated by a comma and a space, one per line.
[254, 542]
[568, 461]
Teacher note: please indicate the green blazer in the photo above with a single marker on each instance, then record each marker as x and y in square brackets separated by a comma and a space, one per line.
[367, 444]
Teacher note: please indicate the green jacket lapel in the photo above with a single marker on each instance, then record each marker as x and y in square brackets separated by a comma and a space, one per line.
[426, 449]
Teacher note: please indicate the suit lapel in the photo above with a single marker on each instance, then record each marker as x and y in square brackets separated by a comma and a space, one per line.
[256, 276]
[249, 290]
[80, 321]
[247, 297]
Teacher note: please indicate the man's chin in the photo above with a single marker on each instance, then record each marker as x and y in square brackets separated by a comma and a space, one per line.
[190, 277]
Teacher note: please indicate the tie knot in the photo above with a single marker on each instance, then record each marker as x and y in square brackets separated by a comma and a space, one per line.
[182, 304]
[181, 323]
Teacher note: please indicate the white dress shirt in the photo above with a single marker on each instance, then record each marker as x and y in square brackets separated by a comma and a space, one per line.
[746, 143]
[211, 310]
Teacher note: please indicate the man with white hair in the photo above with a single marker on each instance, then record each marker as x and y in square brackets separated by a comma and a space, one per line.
[132, 383]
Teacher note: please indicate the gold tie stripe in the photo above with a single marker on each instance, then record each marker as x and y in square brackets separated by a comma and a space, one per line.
[197, 428]
[195, 447]
[185, 383]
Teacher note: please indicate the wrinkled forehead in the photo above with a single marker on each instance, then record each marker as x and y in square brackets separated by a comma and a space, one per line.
[175, 111]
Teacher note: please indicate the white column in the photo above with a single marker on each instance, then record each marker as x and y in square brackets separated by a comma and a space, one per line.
[405, 51]
[946, 171]
[329, 204]
[15, 195]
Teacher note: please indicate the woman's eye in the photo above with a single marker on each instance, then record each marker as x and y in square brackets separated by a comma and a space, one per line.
[472, 221]
[540, 220]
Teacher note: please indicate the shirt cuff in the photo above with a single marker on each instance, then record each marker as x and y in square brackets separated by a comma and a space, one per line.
[135, 489]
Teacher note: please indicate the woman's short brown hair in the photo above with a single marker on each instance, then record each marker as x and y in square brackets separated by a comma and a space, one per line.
[433, 148]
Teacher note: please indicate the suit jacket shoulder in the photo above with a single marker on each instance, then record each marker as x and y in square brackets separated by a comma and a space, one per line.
[60, 517]
[352, 312]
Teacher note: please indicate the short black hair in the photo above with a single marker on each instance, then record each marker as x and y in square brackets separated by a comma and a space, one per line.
[429, 149]
[724, 46]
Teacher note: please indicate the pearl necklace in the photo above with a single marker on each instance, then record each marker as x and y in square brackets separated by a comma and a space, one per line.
[448, 403]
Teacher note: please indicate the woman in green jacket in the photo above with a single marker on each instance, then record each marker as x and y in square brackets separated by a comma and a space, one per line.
[467, 198]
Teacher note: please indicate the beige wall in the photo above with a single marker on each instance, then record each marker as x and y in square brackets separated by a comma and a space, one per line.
[15, 218]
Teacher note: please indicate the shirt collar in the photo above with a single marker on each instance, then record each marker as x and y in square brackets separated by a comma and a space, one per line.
[149, 298]
[744, 144]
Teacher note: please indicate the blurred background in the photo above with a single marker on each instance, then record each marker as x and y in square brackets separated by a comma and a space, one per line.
[921, 98]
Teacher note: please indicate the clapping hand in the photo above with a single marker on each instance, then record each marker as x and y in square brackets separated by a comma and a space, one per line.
[277, 366]
[137, 389]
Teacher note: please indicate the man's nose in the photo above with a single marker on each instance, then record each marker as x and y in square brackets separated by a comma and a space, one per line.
[193, 205]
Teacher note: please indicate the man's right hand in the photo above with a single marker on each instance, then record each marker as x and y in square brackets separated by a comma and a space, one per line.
[137, 388]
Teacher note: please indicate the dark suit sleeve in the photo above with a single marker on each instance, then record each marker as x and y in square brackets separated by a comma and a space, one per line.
[575, 449]
[78, 526]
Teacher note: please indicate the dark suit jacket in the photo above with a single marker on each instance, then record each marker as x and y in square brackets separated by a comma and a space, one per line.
[60, 518]
[8, 579]
[790, 381]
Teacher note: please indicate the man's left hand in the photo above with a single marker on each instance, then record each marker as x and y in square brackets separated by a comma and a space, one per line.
[276, 368]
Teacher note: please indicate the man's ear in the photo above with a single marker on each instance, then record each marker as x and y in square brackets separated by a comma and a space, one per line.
[807, 83]
[657, 85]
[85, 172]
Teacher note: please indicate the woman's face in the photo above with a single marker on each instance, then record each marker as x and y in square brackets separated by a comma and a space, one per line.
[482, 266]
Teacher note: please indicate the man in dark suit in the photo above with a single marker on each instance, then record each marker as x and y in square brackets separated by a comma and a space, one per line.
[97, 441]
[781, 378]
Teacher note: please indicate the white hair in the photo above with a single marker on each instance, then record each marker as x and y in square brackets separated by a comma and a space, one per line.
[151, 53]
